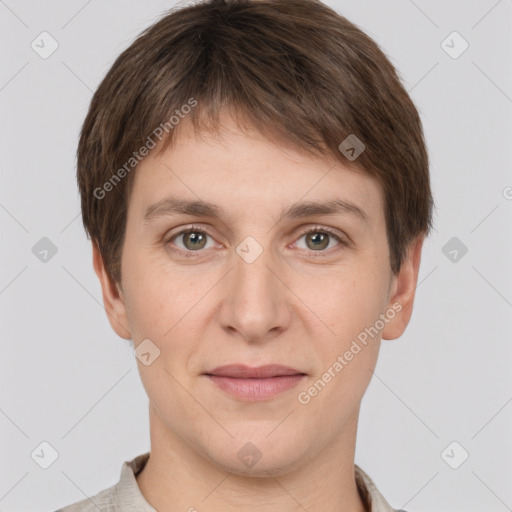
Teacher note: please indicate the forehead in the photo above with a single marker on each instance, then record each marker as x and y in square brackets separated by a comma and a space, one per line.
[243, 170]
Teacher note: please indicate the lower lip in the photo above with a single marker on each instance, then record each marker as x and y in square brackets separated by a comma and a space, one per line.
[256, 389]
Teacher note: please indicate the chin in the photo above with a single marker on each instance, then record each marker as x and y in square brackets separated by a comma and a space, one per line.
[258, 455]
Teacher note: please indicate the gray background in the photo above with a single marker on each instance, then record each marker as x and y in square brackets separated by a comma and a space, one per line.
[68, 380]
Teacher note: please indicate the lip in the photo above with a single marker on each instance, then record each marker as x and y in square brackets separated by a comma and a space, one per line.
[255, 383]
[242, 371]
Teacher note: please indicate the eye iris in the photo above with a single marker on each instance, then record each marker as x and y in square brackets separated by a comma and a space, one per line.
[323, 238]
[195, 237]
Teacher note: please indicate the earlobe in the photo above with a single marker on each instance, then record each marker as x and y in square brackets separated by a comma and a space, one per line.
[113, 299]
[403, 291]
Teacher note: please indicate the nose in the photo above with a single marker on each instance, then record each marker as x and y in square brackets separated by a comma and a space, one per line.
[255, 302]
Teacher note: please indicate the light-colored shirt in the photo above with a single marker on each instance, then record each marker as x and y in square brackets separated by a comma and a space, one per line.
[125, 496]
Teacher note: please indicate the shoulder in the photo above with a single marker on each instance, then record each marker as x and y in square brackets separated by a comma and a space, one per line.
[103, 501]
[124, 496]
[372, 498]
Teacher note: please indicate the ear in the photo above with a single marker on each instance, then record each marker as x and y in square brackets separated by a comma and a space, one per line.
[113, 298]
[403, 290]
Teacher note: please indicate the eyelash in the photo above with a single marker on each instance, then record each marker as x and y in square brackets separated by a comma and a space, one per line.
[197, 229]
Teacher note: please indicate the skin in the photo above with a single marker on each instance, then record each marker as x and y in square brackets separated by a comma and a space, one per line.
[289, 306]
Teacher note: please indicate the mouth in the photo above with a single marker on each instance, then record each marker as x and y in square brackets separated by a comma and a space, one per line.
[254, 383]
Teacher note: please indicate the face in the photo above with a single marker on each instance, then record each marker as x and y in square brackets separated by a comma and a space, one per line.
[256, 280]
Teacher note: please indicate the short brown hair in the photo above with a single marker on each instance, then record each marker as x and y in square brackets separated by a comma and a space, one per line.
[294, 67]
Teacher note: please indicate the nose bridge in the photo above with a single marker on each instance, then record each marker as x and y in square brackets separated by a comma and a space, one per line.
[251, 274]
[255, 302]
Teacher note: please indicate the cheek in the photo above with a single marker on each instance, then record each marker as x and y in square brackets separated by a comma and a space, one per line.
[347, 352]
[149, 309]
[345, 301]
[167, 305]
[351, 352]
[154, 296]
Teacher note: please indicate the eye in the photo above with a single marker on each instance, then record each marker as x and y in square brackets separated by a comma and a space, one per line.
[318, 239]
[193, 239]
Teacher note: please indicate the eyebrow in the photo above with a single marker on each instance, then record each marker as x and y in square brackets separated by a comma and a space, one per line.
[174, 206]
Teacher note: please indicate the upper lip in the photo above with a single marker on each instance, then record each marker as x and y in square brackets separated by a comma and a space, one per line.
[247, 372]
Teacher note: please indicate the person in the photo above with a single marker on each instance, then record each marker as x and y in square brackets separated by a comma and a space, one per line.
[255, 184]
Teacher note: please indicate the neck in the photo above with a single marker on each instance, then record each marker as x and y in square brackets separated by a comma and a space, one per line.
[177, 478]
